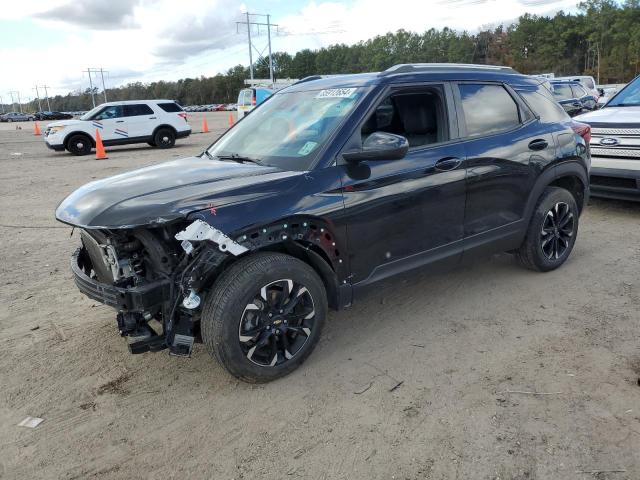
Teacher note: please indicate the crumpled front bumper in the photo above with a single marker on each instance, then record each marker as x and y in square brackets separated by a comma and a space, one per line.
[125, 299]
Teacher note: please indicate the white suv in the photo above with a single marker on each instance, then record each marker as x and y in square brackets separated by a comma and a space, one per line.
[156, 122]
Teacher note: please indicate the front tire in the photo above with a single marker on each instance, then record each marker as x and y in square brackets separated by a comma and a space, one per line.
[264, 316]
[79, 145]
[552, 231]
[165, 138]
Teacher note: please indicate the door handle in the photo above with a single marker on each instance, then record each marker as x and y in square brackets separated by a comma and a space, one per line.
[448, 163]
[538, 144]
[119, 121]
[152, 118]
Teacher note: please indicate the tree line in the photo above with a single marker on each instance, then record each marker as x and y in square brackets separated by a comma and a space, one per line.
[602, 39]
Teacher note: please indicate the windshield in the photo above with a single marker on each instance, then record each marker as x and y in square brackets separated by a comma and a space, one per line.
[91, 113]
[628, 96]
[289, 130]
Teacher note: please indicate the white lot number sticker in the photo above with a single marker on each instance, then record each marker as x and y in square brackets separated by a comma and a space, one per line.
[307, 148]
[336, 93]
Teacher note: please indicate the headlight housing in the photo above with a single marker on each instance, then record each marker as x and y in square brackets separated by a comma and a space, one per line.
[56, 129]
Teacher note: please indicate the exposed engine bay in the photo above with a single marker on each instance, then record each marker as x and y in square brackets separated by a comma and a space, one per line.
[148, 274]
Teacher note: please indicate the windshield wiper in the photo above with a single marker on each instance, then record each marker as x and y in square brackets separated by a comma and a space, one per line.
[238, 158]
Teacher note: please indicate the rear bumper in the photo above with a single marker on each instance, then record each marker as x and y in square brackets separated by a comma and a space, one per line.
[132, 299]
[615, 178]
[183, 133]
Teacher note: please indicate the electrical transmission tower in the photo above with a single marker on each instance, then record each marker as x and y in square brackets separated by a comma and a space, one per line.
[89, 71]
[248, 22]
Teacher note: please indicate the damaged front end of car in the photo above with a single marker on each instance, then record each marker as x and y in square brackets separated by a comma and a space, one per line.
[153, 278]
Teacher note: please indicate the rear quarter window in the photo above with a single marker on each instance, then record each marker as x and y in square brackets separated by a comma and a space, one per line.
[137, 109]
[170, 107]
[488, 109]
[544, 105]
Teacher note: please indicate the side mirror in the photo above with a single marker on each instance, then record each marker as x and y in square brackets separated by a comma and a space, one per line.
[379, 146]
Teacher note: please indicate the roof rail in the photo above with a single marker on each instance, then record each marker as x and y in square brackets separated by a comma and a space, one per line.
[308, 79]
[420, 67]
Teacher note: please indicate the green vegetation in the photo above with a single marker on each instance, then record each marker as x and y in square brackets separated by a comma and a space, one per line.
[603, 32]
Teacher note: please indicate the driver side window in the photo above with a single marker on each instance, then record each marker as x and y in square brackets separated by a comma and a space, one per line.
[107, 113]
[416, 114]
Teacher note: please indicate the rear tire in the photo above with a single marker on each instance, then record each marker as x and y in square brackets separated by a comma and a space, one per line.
[263, 316]
[164, 138]
[79, 144]
[552, 231]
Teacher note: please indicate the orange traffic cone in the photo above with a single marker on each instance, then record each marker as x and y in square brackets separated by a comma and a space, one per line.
[36, 129]
[205, 126]
[100, 153]
[230, 119]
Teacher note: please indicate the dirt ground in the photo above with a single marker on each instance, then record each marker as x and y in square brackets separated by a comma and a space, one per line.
[422, 379]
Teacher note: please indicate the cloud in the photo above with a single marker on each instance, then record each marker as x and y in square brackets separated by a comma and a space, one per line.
[94, 14]
[197, 33]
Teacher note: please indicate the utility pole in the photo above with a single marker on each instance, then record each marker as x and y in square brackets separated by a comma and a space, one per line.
[104, 90]
[46, 96]
[13, 101]
[270, 59]
[93, 100]
[250, 53]
[38, 95]
[252, 47]
[1, 104]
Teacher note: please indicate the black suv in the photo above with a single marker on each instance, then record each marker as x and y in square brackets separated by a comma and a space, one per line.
[328, 186]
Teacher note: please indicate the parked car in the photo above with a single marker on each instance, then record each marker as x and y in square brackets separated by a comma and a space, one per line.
[231, 107]
[46, 115]
[331, 185]
[615, 145]
[156, 122]
[588, 82]
[573, 97]
[250, 98]
[17, 117]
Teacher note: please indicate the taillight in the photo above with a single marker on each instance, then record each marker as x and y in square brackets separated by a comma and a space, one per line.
[183, 115]
[583, 130]
[253, 99]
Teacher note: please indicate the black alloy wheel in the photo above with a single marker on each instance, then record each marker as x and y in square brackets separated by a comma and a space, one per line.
[164, 138]
[552, 231]
[79, 145]
[557, 230]
[264, 315]
[277, 324]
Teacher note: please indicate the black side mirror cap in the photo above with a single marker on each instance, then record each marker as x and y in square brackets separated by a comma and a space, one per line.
[380, 146]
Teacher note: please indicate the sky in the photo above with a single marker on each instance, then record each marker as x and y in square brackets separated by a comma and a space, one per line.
[52, 42]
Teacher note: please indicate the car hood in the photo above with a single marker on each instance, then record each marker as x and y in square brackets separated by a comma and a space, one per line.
[65, 123]
[169, 191]
[612, 116]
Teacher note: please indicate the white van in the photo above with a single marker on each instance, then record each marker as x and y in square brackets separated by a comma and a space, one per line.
[250, 98]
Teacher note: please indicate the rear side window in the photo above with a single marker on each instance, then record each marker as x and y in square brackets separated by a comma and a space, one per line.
[578, 91]
[137, 109]
[562, 91]
[488, 108]
[544, 105]
[170, 107]
[588, 83]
